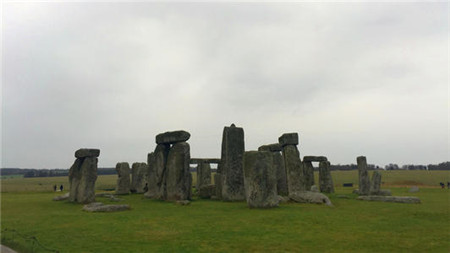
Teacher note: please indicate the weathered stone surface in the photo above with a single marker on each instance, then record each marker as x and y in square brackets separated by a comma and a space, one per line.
[218, 184]
[397, 199]
[325, 180]
[385, 193]
[172, 137]
[375, 183]
[153, 189]
[139, 177]
[204, 160]
[203, 175]
[100, 207]
[288, 139]
[314, 188]
[178, 182]
[183, 202]
[364, 181]
[314, 159]
[308, 171]
[278, 164]
[123, 179]
[310, 197]
[62, 197]
[82, 177]
[206, 191]
[294, 170]
[231, 165]
[276, 147]
[87, 152]
[414, 189]
[161, 154]
[283, 199]
[260, 180]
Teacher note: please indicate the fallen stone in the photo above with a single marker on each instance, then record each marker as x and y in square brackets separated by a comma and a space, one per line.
[172, 137]
[288, 139]
[283, 199]
[260, 180]
[100, 207]
[414, 189]
[183, 202]
[379, 193]
[314, 159]
[314, 188]
[276, 147]
[310, 197]
[87, 152]
[62, 197]
[123, 180]
[206, 191]
[396, 199]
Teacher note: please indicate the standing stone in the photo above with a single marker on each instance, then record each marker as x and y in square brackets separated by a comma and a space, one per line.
[325, 180]
[203, 175]
[232, 164]
[364, 181]
[278, 164]
[376, 183]
[82, 176]
[218, 184]
[123, 180]
[178, 180]
[295, 179]
[260, 179]
[161, 153]
[139, 173]
[152, 179]
[308, 169]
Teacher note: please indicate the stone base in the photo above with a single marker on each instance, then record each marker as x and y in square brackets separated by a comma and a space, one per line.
[62, 197]
[100, 207]
[310, 197]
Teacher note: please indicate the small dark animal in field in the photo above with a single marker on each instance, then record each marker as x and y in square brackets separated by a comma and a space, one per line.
[442, 185]
[348, 185]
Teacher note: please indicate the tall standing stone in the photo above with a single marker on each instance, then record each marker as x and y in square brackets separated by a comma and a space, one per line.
[308, 169]
[161, 153]
[153, 189]
[139, 174]
[232, 164]
[278, 163]
[218, 184]
[375, 183]
[260, 179]
[82, 176]
[203, 175]
[123, 180]
[325, 180]
[294, 169]
[178, 181]
[364, 181]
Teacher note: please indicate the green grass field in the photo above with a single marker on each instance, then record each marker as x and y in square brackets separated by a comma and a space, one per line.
[214, 226]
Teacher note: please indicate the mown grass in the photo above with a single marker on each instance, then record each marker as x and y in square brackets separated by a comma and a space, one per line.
[214, 226]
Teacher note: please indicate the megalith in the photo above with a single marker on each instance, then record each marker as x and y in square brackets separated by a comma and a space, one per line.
[82, 176]
[278, 164]
[375, 183]
[152, 179]
[364, 181]
[161, 153]
[203, 174]
[123, 181]
[260, 180]
[232, 164]
[292, 163]
[178, 179]
[325, 180]
[139, 173]
[308, 170]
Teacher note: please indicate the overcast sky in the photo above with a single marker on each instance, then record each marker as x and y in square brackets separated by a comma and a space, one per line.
[351, 78]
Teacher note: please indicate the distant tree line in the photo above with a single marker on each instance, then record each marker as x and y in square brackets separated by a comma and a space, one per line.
[49, 172]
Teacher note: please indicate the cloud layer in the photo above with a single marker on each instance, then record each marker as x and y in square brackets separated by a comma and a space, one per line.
[352, 78]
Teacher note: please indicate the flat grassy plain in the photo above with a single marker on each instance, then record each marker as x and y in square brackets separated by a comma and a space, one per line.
[214, 226]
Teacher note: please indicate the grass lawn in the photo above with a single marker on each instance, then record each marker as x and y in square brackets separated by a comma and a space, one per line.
[214, 226]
